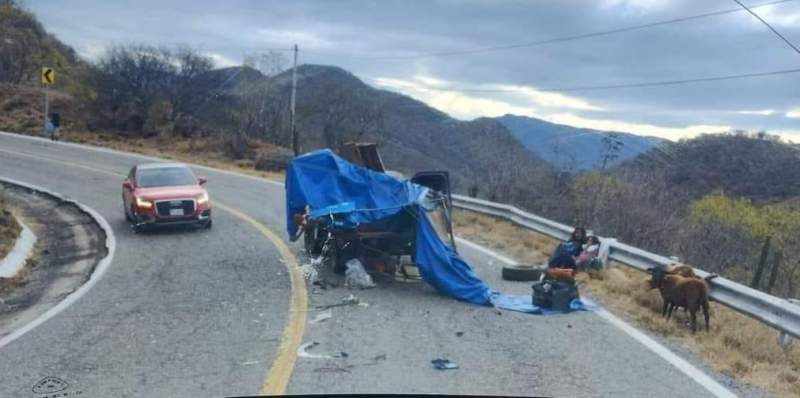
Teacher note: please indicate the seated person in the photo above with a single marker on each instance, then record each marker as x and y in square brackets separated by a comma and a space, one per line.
[590, 251]
[567, 252]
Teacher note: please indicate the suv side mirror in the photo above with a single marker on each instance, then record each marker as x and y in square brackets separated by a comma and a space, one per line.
[202, 180]
[127, 184]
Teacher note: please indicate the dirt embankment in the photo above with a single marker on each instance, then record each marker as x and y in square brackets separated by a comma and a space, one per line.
[9, 228]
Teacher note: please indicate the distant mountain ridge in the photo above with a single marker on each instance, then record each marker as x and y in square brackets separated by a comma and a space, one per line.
[572, 148]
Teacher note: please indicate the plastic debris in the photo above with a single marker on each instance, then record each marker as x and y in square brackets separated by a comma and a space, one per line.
[442, 364]
[303, 351]
[321, 317]
[349, 300]
[356, 276]
[310, 272]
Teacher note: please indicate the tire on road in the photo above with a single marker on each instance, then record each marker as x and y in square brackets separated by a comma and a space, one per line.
[522, 272]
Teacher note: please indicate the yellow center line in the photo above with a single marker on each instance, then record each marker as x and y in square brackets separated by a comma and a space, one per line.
[278, 376]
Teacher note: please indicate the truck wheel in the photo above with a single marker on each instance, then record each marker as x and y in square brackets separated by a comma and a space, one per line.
[522, 272]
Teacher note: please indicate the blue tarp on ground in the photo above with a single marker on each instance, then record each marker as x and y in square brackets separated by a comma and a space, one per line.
[328, 184]
[524, 304]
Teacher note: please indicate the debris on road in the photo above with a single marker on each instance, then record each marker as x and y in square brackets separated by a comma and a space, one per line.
[321, 317]
[302, 351]
[356, 276]
[310, 272]
[349, 300]
[442, 364]
[332, 369]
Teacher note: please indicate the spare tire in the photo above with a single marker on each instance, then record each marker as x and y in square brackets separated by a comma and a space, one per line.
[523, 272]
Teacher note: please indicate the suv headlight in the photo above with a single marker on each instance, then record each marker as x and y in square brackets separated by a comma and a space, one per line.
[143, 204]
[202, 198]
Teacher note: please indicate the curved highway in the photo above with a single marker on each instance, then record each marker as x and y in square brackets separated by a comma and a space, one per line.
[207, 313]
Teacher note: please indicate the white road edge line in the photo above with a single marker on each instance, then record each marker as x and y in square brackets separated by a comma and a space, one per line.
[681, 364]
[15, 259]
[100, 269]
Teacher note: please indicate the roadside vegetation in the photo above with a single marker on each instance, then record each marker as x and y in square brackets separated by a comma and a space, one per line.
[737, 345]
[9, 228]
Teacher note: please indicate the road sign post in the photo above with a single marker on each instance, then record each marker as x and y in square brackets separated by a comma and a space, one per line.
[48, 78]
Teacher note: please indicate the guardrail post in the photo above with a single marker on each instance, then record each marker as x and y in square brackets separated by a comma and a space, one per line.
[784, 339]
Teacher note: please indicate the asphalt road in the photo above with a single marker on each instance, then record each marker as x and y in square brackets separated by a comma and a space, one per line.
[202, 313]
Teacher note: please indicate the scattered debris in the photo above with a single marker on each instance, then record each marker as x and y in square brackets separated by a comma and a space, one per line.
[310, 272]
[321, 317]
[356, 276]
[442, 364]
[459, 334]
[302, 351]
[349, 300]
[332, 369]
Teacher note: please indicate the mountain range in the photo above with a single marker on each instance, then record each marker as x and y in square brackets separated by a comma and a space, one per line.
[571, 148]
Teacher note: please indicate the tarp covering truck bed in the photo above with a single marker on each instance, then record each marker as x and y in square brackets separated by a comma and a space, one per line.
[326, 184]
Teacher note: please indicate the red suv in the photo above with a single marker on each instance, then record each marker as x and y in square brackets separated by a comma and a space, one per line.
[165, 193]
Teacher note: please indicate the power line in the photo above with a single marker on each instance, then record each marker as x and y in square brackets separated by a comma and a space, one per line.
[558, 39]
[616, 86]
[769, 26]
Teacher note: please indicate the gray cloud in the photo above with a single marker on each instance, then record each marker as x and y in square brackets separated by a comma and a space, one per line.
[352, 34]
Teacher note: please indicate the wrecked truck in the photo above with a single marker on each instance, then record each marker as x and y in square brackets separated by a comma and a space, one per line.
[353, 208]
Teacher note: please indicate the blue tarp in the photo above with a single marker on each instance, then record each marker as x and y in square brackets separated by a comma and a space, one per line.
[524, 304]
[328, 184]
[324, 181]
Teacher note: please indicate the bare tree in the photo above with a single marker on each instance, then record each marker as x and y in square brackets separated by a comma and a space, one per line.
[134, 83]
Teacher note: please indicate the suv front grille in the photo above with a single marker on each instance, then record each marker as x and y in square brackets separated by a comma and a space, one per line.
[163, 207]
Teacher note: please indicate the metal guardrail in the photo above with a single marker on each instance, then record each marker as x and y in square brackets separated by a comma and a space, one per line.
[776, 312]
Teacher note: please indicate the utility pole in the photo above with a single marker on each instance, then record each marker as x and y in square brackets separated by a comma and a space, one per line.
[295, 141]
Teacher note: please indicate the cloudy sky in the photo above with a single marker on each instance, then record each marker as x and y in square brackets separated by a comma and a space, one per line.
[423, 49]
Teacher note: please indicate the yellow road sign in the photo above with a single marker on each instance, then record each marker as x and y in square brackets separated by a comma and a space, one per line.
[48, 75]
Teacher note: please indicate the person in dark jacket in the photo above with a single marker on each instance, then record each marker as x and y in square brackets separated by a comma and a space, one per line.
[567, 252]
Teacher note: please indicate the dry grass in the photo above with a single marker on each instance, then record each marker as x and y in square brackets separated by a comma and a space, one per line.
[737, 345]
[521, 244]
[9, 229]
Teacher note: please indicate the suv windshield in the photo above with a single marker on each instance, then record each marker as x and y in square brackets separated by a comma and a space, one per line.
[164, 177]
